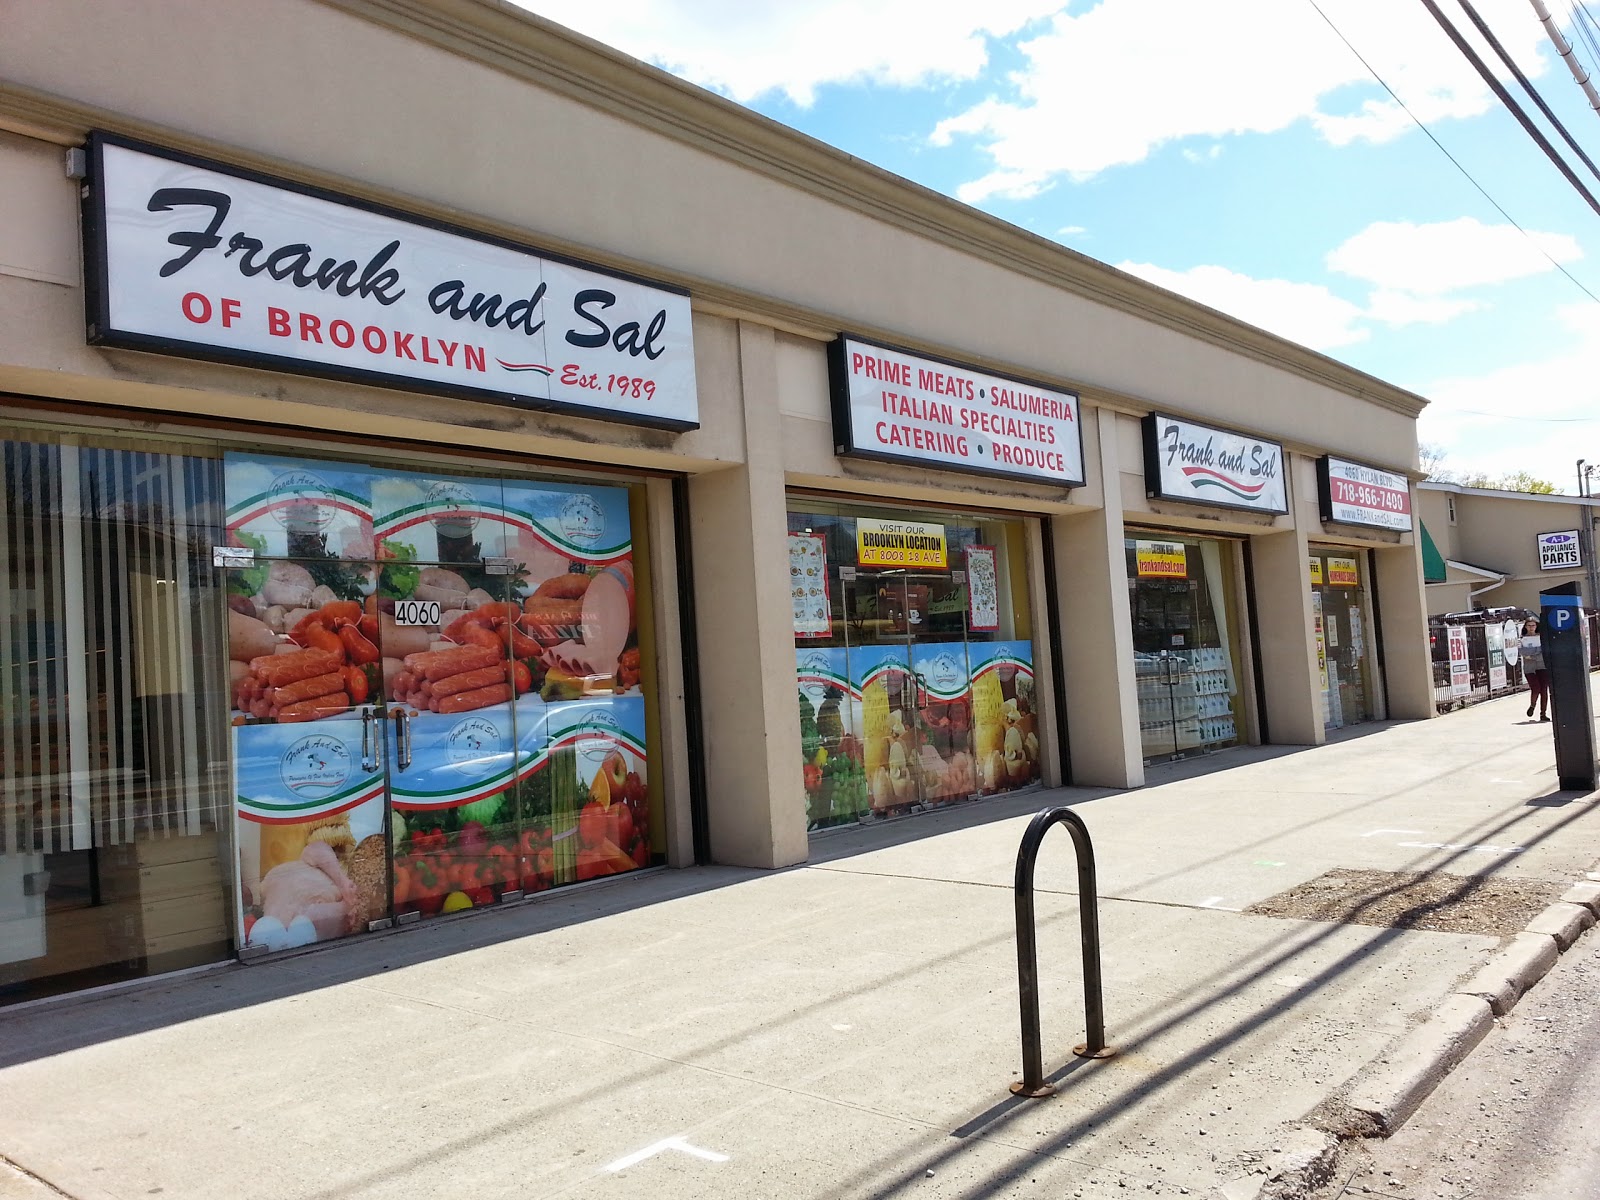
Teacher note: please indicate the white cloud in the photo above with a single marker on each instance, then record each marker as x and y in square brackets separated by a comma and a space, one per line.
[1302, 312]
[1109, 87]
[1070, 230]
[1446, 256]
[1537, 416]
[746, 50]
[1403, 308]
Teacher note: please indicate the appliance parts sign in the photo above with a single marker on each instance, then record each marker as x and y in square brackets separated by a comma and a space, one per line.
[1560, 551]
[1201, 465]
[195, 258]
[896, 407]
[1355, 494]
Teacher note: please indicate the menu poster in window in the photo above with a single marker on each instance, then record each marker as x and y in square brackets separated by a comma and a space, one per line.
[808, 585]
[983, 590]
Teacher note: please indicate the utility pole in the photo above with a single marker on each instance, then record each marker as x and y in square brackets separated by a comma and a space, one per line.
[1591, 570]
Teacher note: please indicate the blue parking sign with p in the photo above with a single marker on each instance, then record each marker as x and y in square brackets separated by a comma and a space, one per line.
[1561, 612]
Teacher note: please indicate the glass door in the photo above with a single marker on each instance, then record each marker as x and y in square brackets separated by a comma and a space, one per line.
[309, 751]
[1185, 673]
[437, 692]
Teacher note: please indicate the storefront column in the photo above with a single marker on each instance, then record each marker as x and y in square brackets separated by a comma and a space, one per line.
[745, 620]
[1096, 626]
[1285, 644]
[1403, 618]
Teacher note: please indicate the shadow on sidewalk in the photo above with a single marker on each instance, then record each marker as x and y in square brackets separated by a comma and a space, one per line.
[37, 1033]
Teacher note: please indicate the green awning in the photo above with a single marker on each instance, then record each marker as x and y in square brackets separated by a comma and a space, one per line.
[1432, 560]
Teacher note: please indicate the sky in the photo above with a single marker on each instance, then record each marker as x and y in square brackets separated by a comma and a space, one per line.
[1239, 152]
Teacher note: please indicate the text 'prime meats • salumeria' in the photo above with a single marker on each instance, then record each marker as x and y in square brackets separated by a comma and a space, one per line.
[893, 405]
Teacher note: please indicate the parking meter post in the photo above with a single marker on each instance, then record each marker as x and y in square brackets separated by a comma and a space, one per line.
[1564, 635]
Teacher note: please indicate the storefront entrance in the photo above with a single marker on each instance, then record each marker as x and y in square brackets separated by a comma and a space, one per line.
[437, 699]
[1186, 666]
[1339, 624]
[914, 658]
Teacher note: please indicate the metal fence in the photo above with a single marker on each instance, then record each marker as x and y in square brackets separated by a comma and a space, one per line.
[1484, 661]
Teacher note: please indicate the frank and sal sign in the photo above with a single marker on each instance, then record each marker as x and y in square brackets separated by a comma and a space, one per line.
[191, 257]
[1184, 460]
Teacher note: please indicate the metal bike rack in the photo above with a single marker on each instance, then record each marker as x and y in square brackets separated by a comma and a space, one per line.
[1032, 1083]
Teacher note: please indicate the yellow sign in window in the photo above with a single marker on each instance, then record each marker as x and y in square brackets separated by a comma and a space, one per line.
[1342, 572]
[882, 543]
[1161, 560]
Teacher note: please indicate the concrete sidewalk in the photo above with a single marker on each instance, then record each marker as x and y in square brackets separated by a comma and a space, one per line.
[847, 1028]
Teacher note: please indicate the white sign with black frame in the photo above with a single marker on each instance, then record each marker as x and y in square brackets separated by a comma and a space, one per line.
[1560, 551]
[1199, 464]
[190, 257]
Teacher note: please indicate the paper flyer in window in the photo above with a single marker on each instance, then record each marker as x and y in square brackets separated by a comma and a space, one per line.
[983, 590]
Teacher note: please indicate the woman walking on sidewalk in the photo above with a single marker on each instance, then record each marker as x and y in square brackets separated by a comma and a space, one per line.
[1531, 653]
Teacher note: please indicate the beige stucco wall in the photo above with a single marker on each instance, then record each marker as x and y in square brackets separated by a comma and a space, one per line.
[781, 243]
[1498, 531]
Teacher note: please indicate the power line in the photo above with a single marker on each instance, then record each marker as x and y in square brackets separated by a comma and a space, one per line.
[1510, 102]
[1584, 24]
[1494, 44]
[1455, 162]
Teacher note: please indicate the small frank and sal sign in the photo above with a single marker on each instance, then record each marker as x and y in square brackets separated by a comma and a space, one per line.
[1199, 464]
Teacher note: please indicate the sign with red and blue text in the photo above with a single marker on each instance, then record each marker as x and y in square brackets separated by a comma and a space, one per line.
[191, 257]
[1353, 493]
[1199, 464]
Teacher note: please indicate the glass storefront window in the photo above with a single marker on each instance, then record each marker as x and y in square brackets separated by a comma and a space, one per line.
[1181, 595]
[116, 812]
[439, 692]
[914, 658]
[1339, 627]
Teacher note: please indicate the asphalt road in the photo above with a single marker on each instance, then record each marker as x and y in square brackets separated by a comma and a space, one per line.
[1516, 1120]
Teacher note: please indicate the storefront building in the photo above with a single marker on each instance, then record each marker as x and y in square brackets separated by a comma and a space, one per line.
[395, 534]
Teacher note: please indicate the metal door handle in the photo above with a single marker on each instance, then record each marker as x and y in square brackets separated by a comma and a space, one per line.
[378, 752]
[367, 762]
[402, 738]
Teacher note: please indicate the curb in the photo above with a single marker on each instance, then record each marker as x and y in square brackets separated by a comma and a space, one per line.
[1386, 1092]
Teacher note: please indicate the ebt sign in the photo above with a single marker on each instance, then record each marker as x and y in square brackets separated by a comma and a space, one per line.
[191, 257]
[1198, 464]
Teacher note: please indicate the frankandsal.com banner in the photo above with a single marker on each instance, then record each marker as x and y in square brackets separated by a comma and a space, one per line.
[190, 257]
[1353, 493]
[1199, 464]
[895, 406]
